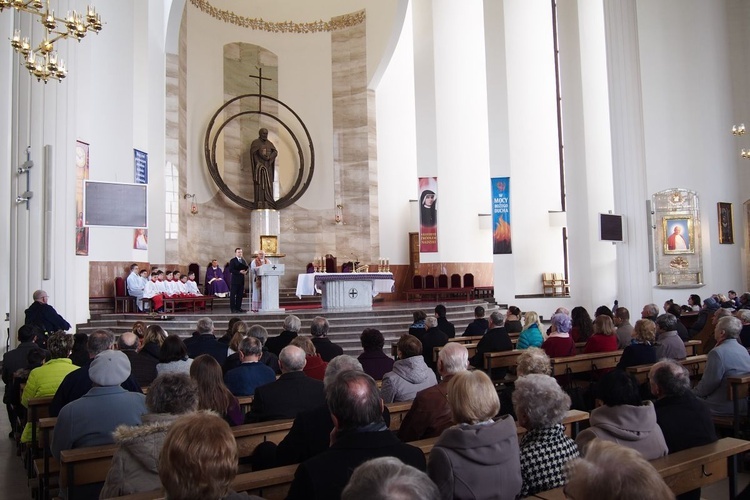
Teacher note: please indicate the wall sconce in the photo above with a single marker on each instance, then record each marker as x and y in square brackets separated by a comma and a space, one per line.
[339, 217]
[738, 129]
[193, 206]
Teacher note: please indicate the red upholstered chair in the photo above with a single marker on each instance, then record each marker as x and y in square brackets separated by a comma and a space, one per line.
[122, 299]
[455, 281]
[417, 283]
[310, 268]
[429, 282]
[443, 281]
[468, 280]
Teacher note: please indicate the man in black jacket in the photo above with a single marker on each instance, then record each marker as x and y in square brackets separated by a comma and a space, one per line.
[292, 393]
[495, 340]
[359, 434]
[445, 326]
[684, 419]
[479, 326]
[43, 315]
[431, 339]
[319, 331]
[205, 342]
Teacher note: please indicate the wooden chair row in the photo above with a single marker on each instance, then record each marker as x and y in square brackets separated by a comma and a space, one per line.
[273, 484]
[429, 287]
[693, 468]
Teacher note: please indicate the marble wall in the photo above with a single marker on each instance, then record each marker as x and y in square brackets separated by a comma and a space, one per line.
[220, 225]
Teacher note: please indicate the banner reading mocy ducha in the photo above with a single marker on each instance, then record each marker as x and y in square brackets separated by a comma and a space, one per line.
[501, 215]
[428, 214]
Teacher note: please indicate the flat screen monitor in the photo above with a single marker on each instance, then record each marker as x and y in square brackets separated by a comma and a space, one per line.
[610, 227]
[115, 204]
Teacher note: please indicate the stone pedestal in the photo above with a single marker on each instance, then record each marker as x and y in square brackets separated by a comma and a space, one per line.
[263, 222]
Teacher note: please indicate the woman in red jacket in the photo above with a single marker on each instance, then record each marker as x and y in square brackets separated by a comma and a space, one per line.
[604, 338]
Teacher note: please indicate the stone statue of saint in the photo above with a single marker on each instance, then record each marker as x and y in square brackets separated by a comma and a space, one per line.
[263, 157]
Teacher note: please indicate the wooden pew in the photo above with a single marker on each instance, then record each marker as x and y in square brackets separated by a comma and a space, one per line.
[38, 408]
[582, 363]
[695, 365]
[502, 359]
[48, 467]
[739, 389]
[83, 466]
[692, 347]
[246, 403]
[398, 411]
[248, 436]
[693, 468]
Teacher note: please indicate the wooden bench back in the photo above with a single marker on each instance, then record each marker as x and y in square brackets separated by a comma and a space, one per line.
[398, 411]
[582, 363]
[695, 365]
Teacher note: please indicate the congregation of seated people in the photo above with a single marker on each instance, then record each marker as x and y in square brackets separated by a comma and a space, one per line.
[178, 437]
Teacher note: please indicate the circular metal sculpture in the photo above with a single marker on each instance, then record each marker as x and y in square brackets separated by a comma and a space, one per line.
[302, 179]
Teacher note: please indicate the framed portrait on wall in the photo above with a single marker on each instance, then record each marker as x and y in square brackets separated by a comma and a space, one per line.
[678, 234]
[726, 225]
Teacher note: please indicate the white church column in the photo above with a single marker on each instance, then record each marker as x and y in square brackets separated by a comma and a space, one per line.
[628, 151]
[451, 124]
[587, 151]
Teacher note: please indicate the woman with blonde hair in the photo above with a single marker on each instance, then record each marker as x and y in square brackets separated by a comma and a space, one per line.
[153, 340]
[212, 392]
[478, 457]
[641, 350]
[531, 335]
[604, 338]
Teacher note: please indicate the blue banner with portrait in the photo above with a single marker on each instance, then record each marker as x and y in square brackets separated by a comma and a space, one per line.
[501, 215]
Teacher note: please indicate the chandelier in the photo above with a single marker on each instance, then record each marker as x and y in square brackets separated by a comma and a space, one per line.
[42, 61]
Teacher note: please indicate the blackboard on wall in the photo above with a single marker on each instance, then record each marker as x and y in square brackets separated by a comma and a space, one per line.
[115, 204]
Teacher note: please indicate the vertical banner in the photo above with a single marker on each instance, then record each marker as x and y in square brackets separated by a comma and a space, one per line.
[140, 160]
[501, 215]
[428, 214]
[82, 173]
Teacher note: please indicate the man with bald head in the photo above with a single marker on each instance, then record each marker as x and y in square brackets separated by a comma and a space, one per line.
[142, 367]
[292, 393]
[430, 413]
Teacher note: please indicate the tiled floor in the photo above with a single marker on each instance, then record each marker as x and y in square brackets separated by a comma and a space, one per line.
[13, 485]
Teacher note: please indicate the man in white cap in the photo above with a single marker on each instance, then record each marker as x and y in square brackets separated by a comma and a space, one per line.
[90, 420]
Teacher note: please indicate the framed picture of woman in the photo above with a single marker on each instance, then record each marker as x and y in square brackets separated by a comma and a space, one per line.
[678, 234]
[726, 225]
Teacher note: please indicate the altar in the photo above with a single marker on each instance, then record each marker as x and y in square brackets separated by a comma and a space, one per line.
[345, 290]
